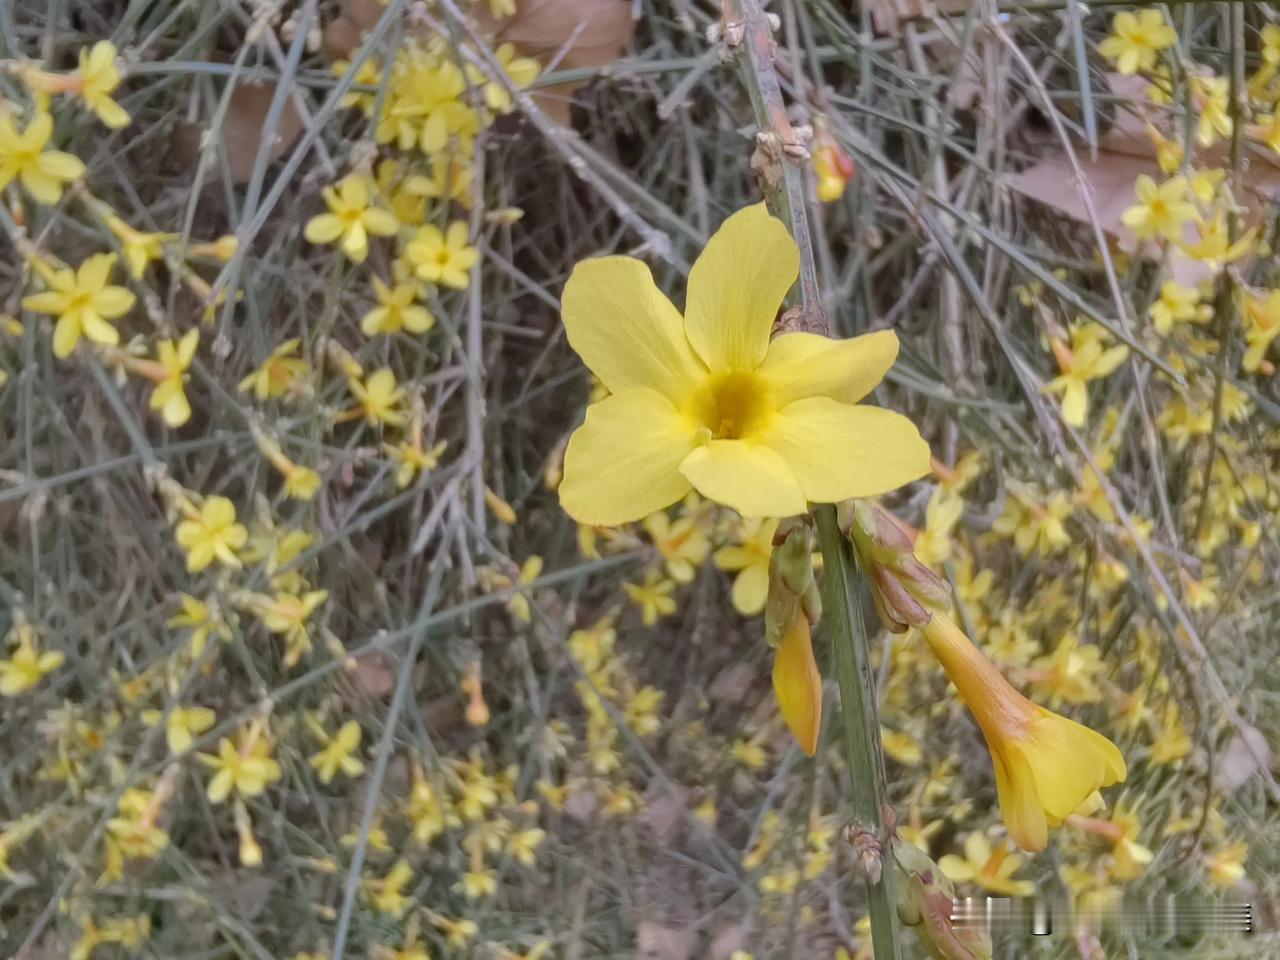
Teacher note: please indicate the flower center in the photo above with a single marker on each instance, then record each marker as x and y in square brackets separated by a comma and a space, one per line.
[733, 405]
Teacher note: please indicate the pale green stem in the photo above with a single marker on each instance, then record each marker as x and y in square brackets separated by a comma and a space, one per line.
[842, 620]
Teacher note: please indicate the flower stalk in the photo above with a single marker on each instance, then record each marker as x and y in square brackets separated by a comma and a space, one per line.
[779, 153]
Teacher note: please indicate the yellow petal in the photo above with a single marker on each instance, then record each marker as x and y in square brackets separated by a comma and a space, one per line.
[626, 331]
[798, 686]
[66, 334]
[112, 302]
[800, 365]
[736, 287]
[1019, 803]
[747, 476]
[839, 450]
[324, 228]
[63, 166]
[624, 461]
[750, 588]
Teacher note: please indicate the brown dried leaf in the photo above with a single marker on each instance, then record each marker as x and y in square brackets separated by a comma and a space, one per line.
[1237, 763]
[1125, 152]
[374, 675]
[345, 33]
[567, 35]
[243, 128]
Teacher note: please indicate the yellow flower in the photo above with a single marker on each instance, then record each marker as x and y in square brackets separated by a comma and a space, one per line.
[379, 397]
[1068, 674]
[1046, 766]
[1210, 95]
[139, 248]
[450, 180]
[23, 155]
[1226, 867]
[653, 596]
[1214, 246]
[247, 770]
[1136, 39]
[83, 302]
[751, 560]
[350, 219]
[707, 402]
[1177, 304]
[901, 746]
[280, 374]
[1161, 210]
[387, 894]
[169, 396]
[396, 310]
[212, 534]
[933, 545]
[369, 75]
[682, 544]
[336, 754]
[413, 457]
[99, 77]
[286, 614]
[522, 71]
[1261, 324]
[200, 617]
[992, 870]
[1172, 743]
[182, 724]
[1085, 360]
[442, 257]
[26, 665]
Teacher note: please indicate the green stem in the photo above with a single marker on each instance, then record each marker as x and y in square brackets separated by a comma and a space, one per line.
[860, 727]
[841, 618]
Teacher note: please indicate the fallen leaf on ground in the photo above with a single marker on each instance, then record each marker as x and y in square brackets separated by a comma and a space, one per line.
[244, 128]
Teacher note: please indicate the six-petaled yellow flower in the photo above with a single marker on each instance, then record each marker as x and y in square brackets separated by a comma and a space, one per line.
[1136, 39]
[442, 257]
[707, 402]
[83, 301]
[350, 219]
[212, 534]
[23, 155]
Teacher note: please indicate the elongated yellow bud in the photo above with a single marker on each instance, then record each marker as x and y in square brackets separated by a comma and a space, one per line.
[798, 685]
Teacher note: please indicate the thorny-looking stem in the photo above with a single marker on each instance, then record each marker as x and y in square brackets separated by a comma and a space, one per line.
[779, 148]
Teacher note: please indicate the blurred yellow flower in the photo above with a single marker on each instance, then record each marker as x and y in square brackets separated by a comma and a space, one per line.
[350, 219]
[246, 770]
[442, 257]
[212, 534]
[750, 558]
[1136, 39]
[336, 755]
[26, 666]
[99, 76]
[23, 155]
[1161, 210]
[992, 870]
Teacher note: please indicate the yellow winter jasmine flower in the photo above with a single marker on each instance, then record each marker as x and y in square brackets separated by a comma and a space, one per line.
[1226, 867]
[682, 544]
[83, 302]
[933, 545]
[336, 754]
[992, 870]
[707, 402]
[1210, 95]
[413, 456]
[211, 533]
[1214, 247]
[23, 155]
[169, 396]
[1069, 673]
[653, 596]
[379, 397]
[1177, 304]
[247, 770]
[450, 180]
[368, 75]
[397, 309]
[521, 70]
[286, 614]
[300, 483]
[350, 219]
[901, 746]
[1136, 39]
[26, 665]
[202, 620]
[138, 248]
[1083, 361]
[99, 76]
[280, 374]
[750, 558]
[182, 724]
[1046, 766]
[1161, 210]
[387, 894]
[1172, 743]
[1261, 324]
[442, 257]
[134, 829]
